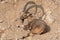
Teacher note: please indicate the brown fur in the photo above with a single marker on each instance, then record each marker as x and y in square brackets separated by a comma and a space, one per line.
[36, 26]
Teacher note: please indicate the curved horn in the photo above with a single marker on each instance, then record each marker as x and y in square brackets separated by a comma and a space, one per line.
[28, 3]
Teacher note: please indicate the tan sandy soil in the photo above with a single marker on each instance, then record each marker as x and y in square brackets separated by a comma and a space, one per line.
[11, 10]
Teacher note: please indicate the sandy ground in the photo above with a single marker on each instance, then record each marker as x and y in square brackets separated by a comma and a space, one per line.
[11, 10]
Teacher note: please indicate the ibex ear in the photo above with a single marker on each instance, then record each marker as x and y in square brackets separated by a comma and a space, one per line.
[27, 6]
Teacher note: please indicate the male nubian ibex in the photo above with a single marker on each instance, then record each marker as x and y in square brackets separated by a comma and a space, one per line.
[36, 26]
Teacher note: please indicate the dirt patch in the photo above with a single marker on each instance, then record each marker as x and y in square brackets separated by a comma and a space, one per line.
[11, 27]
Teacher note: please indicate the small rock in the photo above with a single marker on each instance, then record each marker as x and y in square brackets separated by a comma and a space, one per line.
[1, 21]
